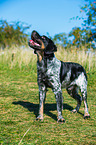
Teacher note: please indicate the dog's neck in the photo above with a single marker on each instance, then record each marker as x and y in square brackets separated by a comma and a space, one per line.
[42, 54]
[49, 56]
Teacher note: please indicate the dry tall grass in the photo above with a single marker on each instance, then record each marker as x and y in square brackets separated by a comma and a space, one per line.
[24, 57]
[17, 57]
[88, 60]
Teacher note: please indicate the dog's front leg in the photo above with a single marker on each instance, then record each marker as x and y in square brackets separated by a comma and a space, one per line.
[42, 96]
[59, 100]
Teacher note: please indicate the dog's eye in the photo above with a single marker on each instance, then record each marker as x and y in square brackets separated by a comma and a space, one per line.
[43, 37]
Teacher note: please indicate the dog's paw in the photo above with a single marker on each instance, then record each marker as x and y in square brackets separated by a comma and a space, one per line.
[61, 120]
[74, 111]
[86, 116]
[39, 118]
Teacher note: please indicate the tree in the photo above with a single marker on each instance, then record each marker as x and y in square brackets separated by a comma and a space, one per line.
[77, 36]
[86, 35]
[13, 33]
[61, 39]
[89, 23]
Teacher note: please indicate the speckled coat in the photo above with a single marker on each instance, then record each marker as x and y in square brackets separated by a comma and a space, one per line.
[56, 74]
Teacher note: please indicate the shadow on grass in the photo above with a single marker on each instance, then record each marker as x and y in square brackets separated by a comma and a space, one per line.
[47, 108]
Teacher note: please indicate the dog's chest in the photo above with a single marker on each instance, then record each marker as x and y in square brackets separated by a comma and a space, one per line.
[49, 70]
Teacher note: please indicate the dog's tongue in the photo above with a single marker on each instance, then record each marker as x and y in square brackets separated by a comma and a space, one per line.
[31, 41]
[34, 43]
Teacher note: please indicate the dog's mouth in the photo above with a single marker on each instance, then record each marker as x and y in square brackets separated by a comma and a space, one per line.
[34, 44]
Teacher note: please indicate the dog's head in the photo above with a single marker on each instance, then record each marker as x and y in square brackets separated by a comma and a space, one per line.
[42, 43]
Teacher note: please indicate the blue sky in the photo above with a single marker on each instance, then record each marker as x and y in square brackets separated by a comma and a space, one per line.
[52, 16]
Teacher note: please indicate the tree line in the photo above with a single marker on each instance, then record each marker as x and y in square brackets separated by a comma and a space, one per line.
[15, 32]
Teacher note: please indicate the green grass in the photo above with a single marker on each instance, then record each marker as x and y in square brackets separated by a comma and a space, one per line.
[19, 107]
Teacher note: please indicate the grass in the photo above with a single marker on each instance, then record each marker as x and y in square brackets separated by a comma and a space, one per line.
[19, 107]
[24, 58]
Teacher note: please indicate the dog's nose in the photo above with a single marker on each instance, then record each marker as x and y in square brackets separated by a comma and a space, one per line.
[34, 33]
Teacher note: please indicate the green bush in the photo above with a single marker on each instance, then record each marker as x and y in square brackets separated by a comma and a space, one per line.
[13, 33]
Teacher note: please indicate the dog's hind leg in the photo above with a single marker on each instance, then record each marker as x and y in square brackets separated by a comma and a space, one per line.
[82, 84]
[73, 92]
[84, 96]
[83, 89]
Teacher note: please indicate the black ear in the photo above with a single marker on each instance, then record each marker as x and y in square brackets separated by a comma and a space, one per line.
[51, 47]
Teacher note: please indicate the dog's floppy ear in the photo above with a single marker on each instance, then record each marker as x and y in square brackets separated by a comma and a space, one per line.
[51, 47]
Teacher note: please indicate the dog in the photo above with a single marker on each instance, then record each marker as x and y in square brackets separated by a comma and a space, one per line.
[56, 75]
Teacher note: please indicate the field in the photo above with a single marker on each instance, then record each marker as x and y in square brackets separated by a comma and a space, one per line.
[19, 103]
